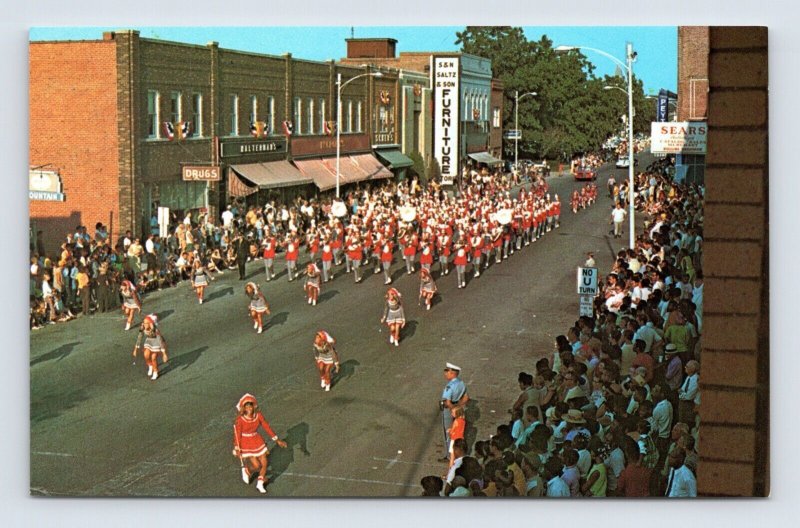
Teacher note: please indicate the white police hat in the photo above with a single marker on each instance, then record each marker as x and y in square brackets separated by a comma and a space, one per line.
[450, 366]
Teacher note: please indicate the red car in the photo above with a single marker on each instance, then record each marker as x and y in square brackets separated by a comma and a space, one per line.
[584, 174]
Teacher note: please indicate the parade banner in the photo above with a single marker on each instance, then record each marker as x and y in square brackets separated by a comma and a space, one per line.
[678, 137]
[445, 83]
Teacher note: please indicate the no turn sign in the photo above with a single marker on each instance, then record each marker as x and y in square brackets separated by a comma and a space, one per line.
[587, 281]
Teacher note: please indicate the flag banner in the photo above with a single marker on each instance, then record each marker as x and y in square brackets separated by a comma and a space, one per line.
[288, 128]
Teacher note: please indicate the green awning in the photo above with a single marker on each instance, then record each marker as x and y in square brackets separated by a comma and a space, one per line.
[395, 158]
[485, 157]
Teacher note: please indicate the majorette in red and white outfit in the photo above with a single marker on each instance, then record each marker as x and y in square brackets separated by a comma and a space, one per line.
[292, 246]
[248, 444]
[427, 287]
[312, 284]
[460, 262]
[326, 357]
[131, 303]
[258, 305]
[394, 315]
[152, 343]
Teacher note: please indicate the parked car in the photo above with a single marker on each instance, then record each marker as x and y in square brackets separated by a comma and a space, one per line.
[624, 163]
[585, 174]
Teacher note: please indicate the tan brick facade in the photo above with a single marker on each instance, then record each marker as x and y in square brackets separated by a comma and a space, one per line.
[734, 435]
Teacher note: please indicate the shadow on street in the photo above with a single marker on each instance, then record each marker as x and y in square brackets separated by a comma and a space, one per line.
[57, 354]
[184, 360]
[280, 459]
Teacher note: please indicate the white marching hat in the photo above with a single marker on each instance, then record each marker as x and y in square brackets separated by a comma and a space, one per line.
[450, 366]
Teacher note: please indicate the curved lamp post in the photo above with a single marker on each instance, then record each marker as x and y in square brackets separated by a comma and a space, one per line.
[339, 87]
[630, 57]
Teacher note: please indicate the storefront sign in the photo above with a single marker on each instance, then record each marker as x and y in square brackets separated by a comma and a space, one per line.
[323, 146]
[687, 137]
[233, 148]
[201, 173]
[445, 81]
[380, 138]
[44, 186]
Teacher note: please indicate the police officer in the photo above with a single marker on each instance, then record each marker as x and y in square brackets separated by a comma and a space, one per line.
[453, 395]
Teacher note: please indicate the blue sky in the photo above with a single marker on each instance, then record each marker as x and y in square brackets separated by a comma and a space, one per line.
[657, 62]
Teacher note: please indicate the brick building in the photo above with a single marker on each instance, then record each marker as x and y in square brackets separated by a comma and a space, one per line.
[114, 123]
[475, 136]
[693, 51]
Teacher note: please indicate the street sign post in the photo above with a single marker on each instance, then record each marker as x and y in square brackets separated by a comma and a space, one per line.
[587, 290]
[587, 281]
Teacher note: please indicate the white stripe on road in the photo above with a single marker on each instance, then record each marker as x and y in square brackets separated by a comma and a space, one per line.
[346, 479]
[395, 461]
[51, 453]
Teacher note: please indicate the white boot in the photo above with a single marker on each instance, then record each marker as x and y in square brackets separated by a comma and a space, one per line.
[314, 302]
[260, 329]
[260, 486]
[149, 370]
[327, 388]
[309, 300]
[155, 375]
[255, 325]
[245, 475]
[127, 326]
[322, 383]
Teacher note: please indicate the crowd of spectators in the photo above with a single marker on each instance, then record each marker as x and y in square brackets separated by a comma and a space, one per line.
[613, 410]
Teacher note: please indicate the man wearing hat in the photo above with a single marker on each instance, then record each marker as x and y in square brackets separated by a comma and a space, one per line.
[453, 395]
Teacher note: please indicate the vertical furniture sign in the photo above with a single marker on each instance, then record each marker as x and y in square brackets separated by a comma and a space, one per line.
[446, 116]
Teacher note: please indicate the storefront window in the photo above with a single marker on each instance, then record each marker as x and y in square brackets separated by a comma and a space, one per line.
[384, 118]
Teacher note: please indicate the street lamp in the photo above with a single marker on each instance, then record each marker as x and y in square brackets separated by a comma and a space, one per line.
[339, 87]
[517, 97]
[630, 57]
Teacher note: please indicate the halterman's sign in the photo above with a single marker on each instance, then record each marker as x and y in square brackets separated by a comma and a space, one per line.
[587, 281]
[201, 173]
[686, 137]
[445, 80]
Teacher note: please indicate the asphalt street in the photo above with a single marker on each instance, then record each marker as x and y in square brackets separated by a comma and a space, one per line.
[99, 426]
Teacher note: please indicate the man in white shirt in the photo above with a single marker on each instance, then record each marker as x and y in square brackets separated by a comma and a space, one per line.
[697, 299]
[646, 332]
[681, 482]
[459, 450]
[689, 394]
[662, 418]
[556, 486]
[227, 218]
[618, 217]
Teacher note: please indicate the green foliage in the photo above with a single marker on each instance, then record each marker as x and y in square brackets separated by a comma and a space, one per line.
[434, 172]
[419, 166]
[571, 112]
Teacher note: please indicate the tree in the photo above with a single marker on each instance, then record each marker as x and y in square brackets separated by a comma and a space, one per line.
[571, 112]
[434, 172]
[418, 167]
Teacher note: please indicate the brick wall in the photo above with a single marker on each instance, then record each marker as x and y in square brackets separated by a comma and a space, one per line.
[693, 48]
[81, 145]
[734, 435]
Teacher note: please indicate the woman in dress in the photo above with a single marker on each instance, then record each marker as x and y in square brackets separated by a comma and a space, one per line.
[393, 315]
[312, 284]
[249, 445]
[427, 287]
[200, 279]
[131, 304]
[152, 343]
[326, 358]
[258, 305]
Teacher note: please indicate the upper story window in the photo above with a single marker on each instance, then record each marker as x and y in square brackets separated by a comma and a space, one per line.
[496, 117]
[298, 116]
[359, 118]
[311, 117]
[253, 109]
[153, 117]
[349, 116]
[197, 115]
[234, 124]
[175, 107]
[271, 117]
[322, 115]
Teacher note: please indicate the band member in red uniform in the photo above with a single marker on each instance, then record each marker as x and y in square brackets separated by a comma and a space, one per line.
[426, 255]
[200, 279]
[460, 262]
[444, 244]
[312, 284]
[327, 260]
[410, 251]
[326, 357]
[337, 240]
[269, 256]
[393, 315]
[292, 252]
[249, 445]
[386, 259]
[258, 305]
[131, 304]
[152, 343]
[355, 254]
[476, 243]
[427, 287]
[557, 211]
